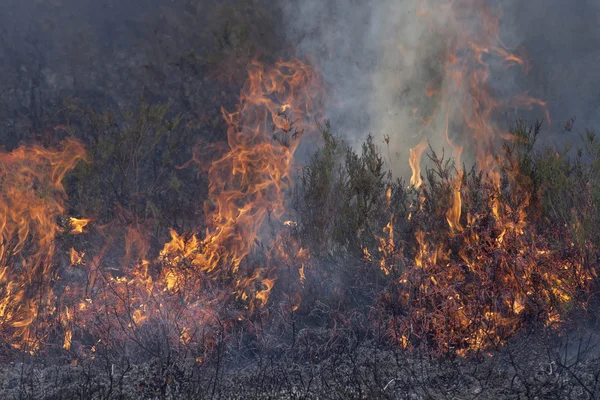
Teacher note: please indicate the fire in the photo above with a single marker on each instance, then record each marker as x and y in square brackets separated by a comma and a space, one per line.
[263, 295]
[197, 274]
[465, 96]
[472, 286]
[77, 224]
[471, 281]
[251, 179]
[31, 202]
[415, 163]
[68, 320]
[200, 273]
[455, 210]
[77, 258]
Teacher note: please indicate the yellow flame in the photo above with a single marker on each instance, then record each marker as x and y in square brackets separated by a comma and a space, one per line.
[78, 224]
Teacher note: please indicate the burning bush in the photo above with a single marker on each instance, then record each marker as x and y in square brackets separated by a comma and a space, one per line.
[455, 287]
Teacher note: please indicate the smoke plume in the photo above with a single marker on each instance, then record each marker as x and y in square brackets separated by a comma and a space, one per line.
[379, 59]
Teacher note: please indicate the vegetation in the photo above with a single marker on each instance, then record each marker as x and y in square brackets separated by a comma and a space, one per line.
[377, 290]
[345, 337]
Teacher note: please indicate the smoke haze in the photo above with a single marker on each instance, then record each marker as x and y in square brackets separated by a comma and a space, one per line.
[378, 58]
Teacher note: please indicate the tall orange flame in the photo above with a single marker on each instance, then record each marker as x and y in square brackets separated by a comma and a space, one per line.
[251, 179]
[31, 200]
[415, 163]
[247, 183]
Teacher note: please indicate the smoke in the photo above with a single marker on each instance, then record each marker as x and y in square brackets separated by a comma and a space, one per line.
[379, 59]
[563, 43]
[336, 34]
[410, 60]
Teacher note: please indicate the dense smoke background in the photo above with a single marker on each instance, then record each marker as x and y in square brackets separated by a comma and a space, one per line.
[108, 52]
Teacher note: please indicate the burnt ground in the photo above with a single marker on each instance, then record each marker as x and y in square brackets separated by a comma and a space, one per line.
[533, 367]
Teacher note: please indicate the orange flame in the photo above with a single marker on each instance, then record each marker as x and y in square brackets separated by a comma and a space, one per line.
[77, 224]
[415, 163]
[76, 257]
[474, 297]
[248, 181]
[193, 275]
[251, 179]
[31, 201]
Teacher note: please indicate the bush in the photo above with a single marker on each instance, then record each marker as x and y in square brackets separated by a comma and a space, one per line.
[523, 252]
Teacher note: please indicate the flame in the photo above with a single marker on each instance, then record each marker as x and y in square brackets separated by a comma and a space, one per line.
[263, 295]
[464, 95]
[197, 273]
[301, 274]
[249, 178]
[77, 225]
[471, 287]
[471, 283]
[68, 320]
[31, 202]
[455, 210]
[415, 163]
[248, 182]
[77, 258]
[387, 248]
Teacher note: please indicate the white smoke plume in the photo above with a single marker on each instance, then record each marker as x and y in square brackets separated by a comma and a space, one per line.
[379, 59]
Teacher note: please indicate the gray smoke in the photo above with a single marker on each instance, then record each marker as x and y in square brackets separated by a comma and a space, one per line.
[378, 57]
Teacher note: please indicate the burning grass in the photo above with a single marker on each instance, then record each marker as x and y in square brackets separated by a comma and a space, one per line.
[454, 265]
[458, 263]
